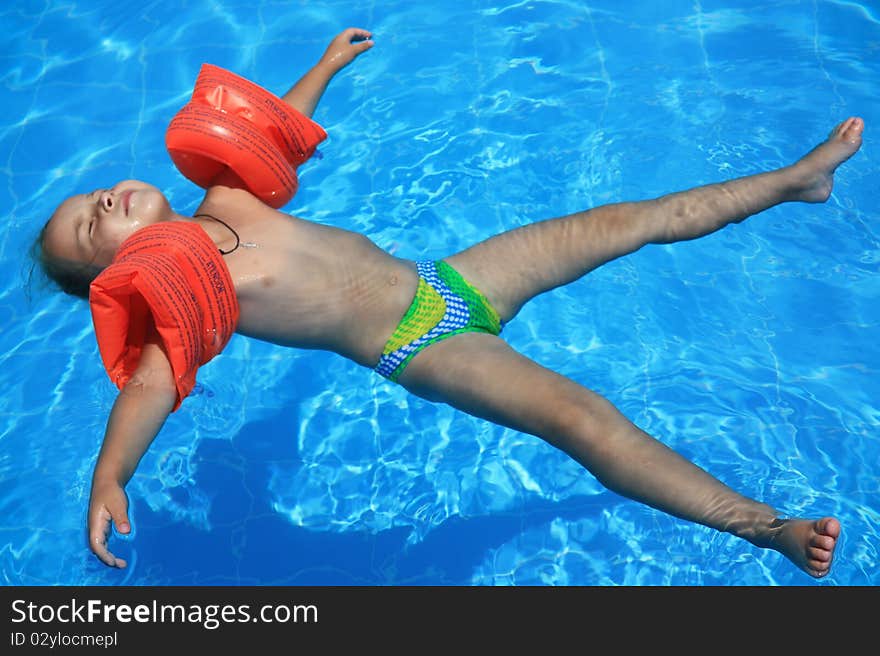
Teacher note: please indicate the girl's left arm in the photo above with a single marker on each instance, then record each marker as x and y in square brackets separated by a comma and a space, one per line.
[343, 49]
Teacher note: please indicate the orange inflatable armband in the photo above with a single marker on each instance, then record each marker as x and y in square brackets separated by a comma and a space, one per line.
[235, 131]
[171, 274]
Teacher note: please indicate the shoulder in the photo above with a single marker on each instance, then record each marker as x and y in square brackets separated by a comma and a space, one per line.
[238, 207]
[220, 193]
[224, 199]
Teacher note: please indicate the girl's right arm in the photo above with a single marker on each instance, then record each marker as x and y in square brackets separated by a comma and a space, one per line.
[137, 416]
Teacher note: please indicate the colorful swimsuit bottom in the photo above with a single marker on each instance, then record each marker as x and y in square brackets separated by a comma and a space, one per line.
[445, 305]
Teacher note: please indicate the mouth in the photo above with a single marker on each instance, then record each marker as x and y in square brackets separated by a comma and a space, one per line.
[126, 201]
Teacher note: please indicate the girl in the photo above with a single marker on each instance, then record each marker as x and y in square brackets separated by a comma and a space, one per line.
[314, 286]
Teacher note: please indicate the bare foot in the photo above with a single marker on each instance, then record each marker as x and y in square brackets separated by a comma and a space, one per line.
[815, 171]
[809, 544]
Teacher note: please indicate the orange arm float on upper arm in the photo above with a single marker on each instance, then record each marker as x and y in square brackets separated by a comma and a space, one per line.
[236, 133]
[172, 276]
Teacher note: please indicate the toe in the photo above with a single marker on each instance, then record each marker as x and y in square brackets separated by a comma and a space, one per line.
[852, 129]
[828, 526]
[818, 555]
[841, 127]
[819, 571]
[824, 544]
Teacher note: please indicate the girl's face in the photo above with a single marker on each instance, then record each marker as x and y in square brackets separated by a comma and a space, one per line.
[89, 228]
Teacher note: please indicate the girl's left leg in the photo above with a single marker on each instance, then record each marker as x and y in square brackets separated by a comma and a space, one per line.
[515, 266]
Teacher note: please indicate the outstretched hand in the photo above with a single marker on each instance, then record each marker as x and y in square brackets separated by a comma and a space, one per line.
[108, 503]
[346, 47]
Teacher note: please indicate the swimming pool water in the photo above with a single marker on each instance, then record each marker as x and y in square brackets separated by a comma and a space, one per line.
[752, 352]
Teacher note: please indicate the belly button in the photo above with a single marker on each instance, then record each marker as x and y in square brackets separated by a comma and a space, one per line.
[393, 280]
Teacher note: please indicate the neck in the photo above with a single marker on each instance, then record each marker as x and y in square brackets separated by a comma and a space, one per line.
[224, 235]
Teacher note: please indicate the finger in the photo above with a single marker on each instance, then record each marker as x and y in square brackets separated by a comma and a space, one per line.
[357, 34]
[98, 540]
[362, 47]
[106, 557]
[119, 512]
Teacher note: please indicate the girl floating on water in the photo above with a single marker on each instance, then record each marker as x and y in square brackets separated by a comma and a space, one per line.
[432, 326]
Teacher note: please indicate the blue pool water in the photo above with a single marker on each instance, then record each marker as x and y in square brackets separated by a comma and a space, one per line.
[753, 352]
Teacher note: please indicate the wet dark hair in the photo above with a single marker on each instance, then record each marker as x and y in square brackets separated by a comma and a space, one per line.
[71, 278]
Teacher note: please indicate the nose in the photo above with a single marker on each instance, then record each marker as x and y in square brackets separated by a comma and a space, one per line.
[107, 200]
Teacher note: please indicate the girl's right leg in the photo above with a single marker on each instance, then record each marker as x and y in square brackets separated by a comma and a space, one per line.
[515, 266]
[482, 375]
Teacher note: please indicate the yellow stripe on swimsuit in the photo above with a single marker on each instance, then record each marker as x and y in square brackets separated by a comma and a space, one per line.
[445, 304]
